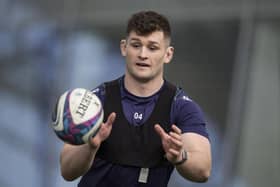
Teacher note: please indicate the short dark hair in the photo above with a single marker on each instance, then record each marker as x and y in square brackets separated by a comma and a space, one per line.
[146, 22]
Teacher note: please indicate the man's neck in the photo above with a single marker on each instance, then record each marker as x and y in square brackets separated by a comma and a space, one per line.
[142, 89]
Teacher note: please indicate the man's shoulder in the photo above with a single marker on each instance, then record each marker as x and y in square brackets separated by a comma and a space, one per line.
[181, 95]
[101, 87]
[182, 101]
[100, 90]
[116, 81]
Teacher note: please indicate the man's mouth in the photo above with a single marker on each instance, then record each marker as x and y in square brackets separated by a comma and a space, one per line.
[142, 64]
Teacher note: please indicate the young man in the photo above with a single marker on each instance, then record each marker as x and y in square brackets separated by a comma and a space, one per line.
[150, 126]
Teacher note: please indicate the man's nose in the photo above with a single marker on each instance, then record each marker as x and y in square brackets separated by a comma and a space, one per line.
[143, 53]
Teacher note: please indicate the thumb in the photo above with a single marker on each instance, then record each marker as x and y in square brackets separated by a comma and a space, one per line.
[160, 131]
[111, 119]
[103, 132]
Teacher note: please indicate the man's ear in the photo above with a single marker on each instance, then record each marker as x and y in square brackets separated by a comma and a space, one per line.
[123, 47]
[169, 54]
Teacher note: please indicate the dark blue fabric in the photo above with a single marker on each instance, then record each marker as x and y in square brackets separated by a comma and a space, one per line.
[104, 174]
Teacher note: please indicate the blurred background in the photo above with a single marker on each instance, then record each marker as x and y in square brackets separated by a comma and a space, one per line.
[227, 58]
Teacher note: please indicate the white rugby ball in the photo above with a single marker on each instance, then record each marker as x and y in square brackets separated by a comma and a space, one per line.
[78, 116]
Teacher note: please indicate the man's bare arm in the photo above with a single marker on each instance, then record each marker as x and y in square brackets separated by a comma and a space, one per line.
[75, 161]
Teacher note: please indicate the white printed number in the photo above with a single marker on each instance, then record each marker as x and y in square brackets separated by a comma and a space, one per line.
[138, 116]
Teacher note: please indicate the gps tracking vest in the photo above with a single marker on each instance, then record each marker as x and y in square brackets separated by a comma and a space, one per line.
[136, 145]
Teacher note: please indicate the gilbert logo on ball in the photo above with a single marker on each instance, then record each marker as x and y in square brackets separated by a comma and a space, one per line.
[78, 116]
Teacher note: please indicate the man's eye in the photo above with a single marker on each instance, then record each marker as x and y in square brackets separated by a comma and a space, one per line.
[136, 45]
[152, 48]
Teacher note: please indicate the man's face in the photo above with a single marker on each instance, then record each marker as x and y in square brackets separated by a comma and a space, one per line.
[146, 55]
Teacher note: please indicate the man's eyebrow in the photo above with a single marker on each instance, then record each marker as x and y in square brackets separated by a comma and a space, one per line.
[154, 42]
[134, 39]
[150, 42]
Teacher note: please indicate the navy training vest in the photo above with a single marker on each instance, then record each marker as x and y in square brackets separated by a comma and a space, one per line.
[131, 145]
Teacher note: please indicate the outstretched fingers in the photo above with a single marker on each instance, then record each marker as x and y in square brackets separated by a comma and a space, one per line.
[176, 129]
[103, 132]
[171, 142]
[176, 140]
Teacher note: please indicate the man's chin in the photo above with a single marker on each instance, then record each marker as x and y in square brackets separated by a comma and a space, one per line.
[142, 78]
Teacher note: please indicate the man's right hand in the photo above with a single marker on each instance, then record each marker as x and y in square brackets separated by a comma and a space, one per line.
[103, 132]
